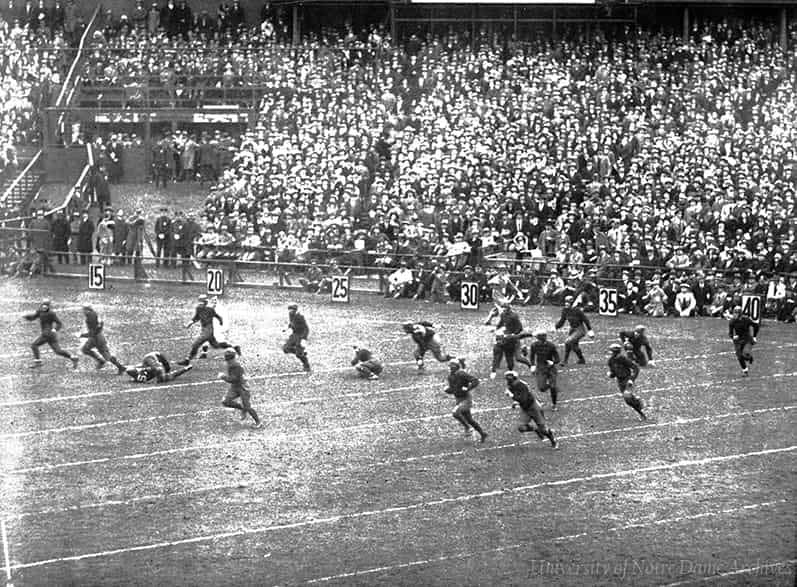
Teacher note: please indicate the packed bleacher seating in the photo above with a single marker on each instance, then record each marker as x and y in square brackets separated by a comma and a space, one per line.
[642, 160]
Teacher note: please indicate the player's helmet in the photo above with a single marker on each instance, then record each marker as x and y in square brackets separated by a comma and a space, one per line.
[615, 348]
[639, 328]
[737, 309]
[454, 364]
[511, 375]
[46, 303]
[407, 326]
[202, 298]
[541, 334]
[293, 306]
[229, 354]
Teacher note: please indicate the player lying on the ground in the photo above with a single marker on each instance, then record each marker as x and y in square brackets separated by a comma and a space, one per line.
[366, 364]
[155, 366]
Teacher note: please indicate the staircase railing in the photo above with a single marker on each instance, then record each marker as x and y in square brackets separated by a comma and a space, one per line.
[23, 189]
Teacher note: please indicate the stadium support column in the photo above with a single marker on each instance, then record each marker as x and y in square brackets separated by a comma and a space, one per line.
[392, 15]
[784, 30]
[686, 24]
[297, 35]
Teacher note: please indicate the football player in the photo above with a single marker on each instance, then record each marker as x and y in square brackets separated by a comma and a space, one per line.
[542, 357]
[365, 363]
[637, 345]
[297, 340]
[96, 346]
[426, 339]
[625, 371]
[205, 314]
[460, 385]
[50, 324]
[238, 389]
[743, 331]
[520, 394]
[155, 366]
[506, 341]
[579, 328]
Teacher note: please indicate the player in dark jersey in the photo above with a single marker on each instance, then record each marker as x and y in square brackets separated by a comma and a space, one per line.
[50, 325]
[625, 371]
[297, 340]
[579, 328]
[506, 341]
[520, 394]
[743, 331]
[96, 346]
[205, 314]
[238, 389]
[460, 385]
[155, 367]
[426, 339]
[542, 358]
[366, 364]
[637, 345]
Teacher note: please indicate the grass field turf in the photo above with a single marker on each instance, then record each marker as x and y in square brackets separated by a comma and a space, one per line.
[106, 481]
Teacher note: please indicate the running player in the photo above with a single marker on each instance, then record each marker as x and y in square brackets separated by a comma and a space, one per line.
[205, 314]
[238, 389]
[50, 325]
[625, 371]
[579, 327]
[460, 385]
[637, 345]
[426, 339]
[542, 357]
[520, 394]
[297, 340]
[366, 364]
[743, 331]
[506, 341]
[155, 366]
[96, 346]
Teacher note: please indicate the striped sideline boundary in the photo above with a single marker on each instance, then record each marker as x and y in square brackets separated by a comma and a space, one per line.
[448, 454]
[565, 538]
[366, 514]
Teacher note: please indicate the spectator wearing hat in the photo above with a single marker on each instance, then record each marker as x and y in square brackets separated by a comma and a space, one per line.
[685, 303]
[60, 239]
[400, 281]
[703, 290]
[105, 230]
[84, 240]
[163, 237]
[120, 233]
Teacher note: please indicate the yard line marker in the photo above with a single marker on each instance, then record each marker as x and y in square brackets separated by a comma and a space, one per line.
[747, 571]
[615, 529]
[217, 487]
[96, 425]
[6, 557]
[406, 508]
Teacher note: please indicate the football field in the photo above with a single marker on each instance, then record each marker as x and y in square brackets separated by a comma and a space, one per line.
[106, 481]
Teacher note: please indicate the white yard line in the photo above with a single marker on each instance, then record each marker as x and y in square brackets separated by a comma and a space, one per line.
[593, 571]
[6, 557]
[760, 570]
[218, 487]
[497, 493]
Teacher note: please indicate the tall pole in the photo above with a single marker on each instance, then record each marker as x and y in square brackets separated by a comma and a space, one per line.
[686, 24]
[784, 38]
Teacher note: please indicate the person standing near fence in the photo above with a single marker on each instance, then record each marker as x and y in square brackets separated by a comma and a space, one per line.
[120, 230]
[85, 246]
[40, 241]
[105, 237]
[60, 231]
[163, 237]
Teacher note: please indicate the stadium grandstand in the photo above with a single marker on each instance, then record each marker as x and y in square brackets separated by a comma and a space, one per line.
[648, 145]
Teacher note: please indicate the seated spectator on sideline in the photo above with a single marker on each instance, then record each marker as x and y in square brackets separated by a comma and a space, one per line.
[400, 281]
[685, 303]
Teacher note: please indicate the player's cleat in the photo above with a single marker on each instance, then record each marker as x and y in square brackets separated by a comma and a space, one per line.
[36, 364]
[75, 361]
[554, 444]
[745, 373]
[203, 355]
[749, 359]
[483, 437]
[257, 425]
[492, 374]
[581, 362]
[308, 369]
[554, 408]
[243, 415]
[184, 363]
[100, 365]
[643, 417]
[373, 376]
[237, 349]
[563, 365]
[120, 370]
[205, 349]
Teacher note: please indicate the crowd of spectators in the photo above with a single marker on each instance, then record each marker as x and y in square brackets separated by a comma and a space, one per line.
[640, 159]
[34, 59]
